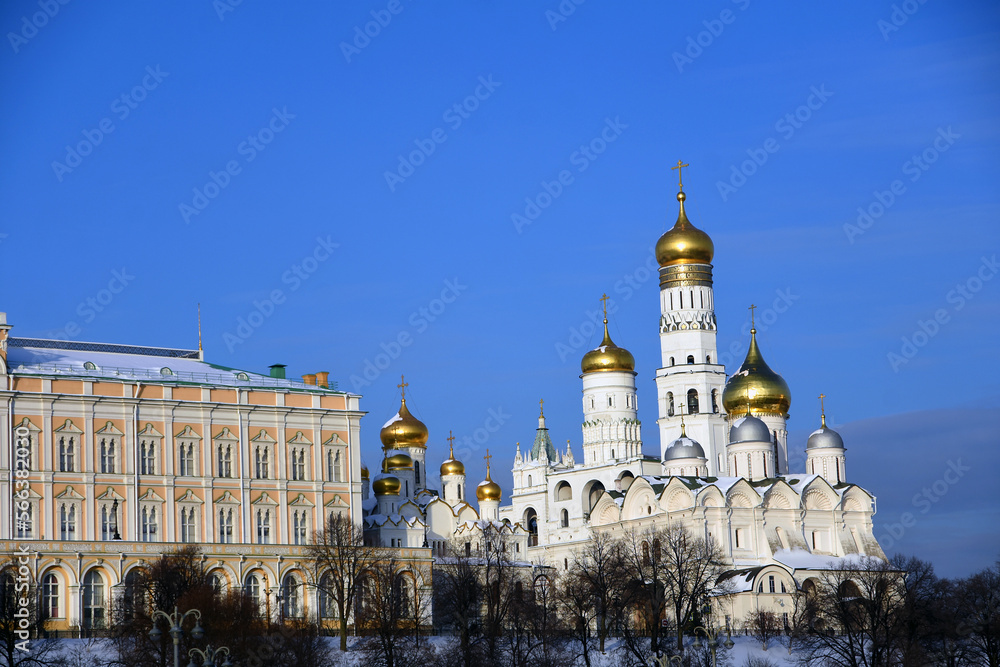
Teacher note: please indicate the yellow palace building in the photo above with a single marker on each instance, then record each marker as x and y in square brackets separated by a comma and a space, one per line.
[111, 455]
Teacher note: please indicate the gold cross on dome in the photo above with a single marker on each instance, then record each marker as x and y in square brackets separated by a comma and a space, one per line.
[488, 457]
[680, 166]
[541, 406]
[604, 301]
[821, 397]
[752, 308]
[451, 439]
[403, 384]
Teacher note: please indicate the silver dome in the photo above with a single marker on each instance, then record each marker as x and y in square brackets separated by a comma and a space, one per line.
[683, 448]
[749, 429]
[825, 438]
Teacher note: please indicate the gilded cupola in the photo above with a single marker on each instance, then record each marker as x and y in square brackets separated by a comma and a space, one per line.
[755, 387]
[684, 243]
[488, 489]
[607, 356]
[403, 430]
[452, 466]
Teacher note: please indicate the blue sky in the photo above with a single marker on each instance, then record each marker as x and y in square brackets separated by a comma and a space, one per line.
[268, 151]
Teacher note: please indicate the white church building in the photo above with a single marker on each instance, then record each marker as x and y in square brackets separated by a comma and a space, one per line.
[723, 466]
[722, 470]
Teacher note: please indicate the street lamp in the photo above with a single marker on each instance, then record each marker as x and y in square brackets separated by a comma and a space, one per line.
[114, 520]
[209, 655]
[664, 660]
[176, 620]
[713, 639]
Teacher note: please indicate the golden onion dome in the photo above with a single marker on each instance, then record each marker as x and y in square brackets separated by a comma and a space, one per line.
[755, 387]
[386, 486]
[364, 471]
[403, 430]
[452, 466]
[488, 489]
[684, 243]
[398, 461]
[607, 356]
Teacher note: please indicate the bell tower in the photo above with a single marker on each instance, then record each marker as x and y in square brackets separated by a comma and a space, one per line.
[690, 375]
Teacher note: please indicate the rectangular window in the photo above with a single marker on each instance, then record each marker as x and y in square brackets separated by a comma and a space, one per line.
[298, 464]
[67, 521]
[299, 528]
[108, 455]
[147, 458]
[25, 522]
[263, 526]
[107, 532]
[262, 462]
[225, 461]
[187, 525]
[186, 467]
[148, 528]
[226, 526]
[67, 454]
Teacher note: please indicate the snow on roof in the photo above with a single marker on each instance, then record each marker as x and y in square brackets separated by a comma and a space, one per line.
[800, 559]
[395, 418]
[37, 356]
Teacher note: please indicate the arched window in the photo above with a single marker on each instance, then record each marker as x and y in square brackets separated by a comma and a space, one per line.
[107, 455]
[252, 590]
[690, 358]
[708, 358]
[263, 526]
[715, 401]
[693, 401]
[93, 600]
[50, 596]
[262, 462]
[645, 553]
[131, 603]
[326, 605]
[564, 491]
[531, 520]
[291, 605]
[670, 404]
[147, 459]
[226, 525]
[529, 480]
[565, 518]
[671, 361]
[402, 596]
[416, 473]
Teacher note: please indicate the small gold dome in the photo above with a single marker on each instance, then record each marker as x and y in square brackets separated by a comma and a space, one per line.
[364, 471]
[398, 461]
[755, 387]
[608, 356]
[488, 490]
[684, 243]
[452, 466]
[403, 430]
[386, 486]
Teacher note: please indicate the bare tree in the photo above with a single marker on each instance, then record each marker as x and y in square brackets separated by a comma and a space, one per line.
[602, 566]
[339, 558]
[458, 600]
[691, 568]
[497, 574]
[979, 597]
[801, 618]
[763, 626]
[394, 612]
[861, 605]
[22, 642]
[577, 603]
